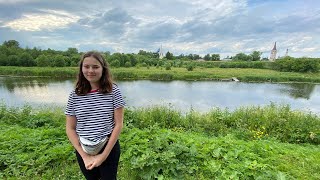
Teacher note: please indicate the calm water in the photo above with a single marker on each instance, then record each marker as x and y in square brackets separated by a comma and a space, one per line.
[183, 95]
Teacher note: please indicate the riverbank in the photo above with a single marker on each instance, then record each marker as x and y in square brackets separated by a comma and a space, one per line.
[153, 73]
[258, 142]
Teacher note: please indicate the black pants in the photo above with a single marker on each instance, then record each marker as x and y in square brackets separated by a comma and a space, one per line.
[107, 170]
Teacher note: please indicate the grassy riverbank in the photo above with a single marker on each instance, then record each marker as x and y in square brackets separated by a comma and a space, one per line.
[153, 73]
[271, 142]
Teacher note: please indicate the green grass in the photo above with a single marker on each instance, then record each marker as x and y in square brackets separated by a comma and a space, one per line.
[153, 73]
[162, 143]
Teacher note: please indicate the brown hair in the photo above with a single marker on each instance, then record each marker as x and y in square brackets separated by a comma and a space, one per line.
[83, 86]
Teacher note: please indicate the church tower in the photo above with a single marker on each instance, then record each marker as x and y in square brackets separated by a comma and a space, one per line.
[286, 53]
[273, 52]
[160, 53]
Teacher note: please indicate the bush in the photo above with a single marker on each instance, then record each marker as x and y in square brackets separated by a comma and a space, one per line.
[290, 64]
[115, 63]
[190, 67]
[168, 66]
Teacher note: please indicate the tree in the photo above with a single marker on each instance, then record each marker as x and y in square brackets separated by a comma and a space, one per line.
[74, 60]
[133, 59]
[196, 56]
[142, 52]
[26, 60]
[215, 57]
[241, 57]
[207, 57]
[169, 55]
[256, 55]
[3, 60]
[34, 52]
[71, 51]
[13, 60]
[115, 63]
[190, 56]
[42, 61]
[190, 67]
[58, 61]
[128, 64]
[11, 44]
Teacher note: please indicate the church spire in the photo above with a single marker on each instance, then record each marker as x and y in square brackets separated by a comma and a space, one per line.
[286, 53]
[275, 46]
[273, 52]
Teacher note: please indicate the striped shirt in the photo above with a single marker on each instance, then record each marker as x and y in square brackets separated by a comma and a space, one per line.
[94, 112]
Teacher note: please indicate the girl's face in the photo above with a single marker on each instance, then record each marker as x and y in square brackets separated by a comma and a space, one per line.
[92, 70]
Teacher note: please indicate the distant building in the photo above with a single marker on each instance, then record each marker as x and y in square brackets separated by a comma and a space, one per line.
[273, 54]
[286, 53]
[160, 52]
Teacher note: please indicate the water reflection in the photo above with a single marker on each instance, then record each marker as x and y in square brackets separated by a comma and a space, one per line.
[17, 91]
[298, 90]
[10, 83]
[183, 95]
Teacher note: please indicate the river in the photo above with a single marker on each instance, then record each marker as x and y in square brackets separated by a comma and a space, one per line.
[182, 95]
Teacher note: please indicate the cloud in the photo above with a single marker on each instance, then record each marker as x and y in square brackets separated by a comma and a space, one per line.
[15, 1]
[111, 24]
[46, 20]
[180, 26]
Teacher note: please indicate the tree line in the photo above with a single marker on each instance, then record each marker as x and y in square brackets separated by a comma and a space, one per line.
[11, 54]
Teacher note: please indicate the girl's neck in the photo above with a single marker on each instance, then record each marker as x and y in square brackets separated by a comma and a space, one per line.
[94, 86]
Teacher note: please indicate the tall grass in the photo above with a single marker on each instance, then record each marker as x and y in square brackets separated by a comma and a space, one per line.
[199, 73]
[248, 123]
[159, 142]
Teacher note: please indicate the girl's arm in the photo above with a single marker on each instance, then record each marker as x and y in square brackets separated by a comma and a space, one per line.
[118, 120]
[71, 124]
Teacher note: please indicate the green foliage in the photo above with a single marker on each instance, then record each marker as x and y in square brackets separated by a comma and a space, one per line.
[41, 150]
[11, 44]
[241, 57]
[241, 64]
[162, 76]
[115, 63]
[58, 61]
[26, 60]
[168, 66]
[13, 60]
[277, 122]
[165, 154]
[3, 60]
[127, 64]
[124, 75]
[297, 64]
[43, 61]
[207, 57]
[190, 67]
[256, 55]
[169, 56]
[215, 57]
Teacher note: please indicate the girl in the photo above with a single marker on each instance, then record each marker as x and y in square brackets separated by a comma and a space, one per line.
[94, 118]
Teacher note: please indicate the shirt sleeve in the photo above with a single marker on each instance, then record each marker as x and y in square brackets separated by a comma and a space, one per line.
[70, 106]
[118, 100]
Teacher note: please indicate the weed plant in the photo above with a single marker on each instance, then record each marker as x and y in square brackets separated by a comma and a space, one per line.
[271, 142]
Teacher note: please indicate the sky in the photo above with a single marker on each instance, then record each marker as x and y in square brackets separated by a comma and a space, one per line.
[224, 27]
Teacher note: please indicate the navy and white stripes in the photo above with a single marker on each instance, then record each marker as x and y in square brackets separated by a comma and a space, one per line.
[94, 112]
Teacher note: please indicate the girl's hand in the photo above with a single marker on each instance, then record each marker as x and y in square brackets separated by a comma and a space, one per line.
[97, 161]
[88, 161]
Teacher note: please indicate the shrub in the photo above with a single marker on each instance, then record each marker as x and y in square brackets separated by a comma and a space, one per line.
[190, 67]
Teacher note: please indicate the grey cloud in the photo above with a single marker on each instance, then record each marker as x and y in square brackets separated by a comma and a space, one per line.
[157, 32]
[112, 23]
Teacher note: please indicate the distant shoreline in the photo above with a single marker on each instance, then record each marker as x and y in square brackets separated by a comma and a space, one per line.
[153, 73]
